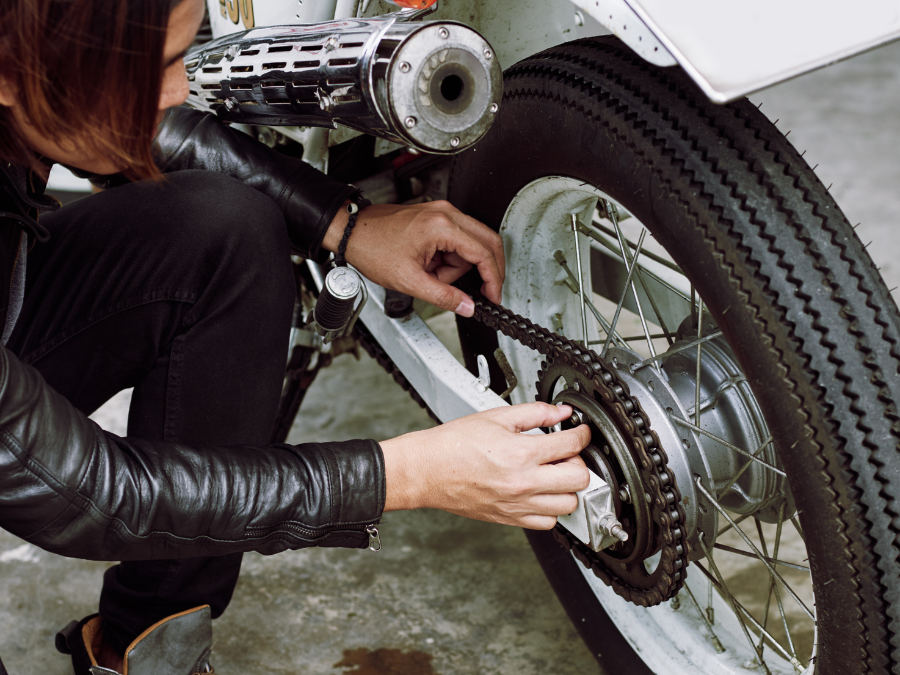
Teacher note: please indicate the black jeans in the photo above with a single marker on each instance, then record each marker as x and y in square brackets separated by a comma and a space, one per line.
[182, 290]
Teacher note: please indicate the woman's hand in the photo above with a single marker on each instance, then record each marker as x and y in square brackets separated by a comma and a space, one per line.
[482, 467]
[421, 249]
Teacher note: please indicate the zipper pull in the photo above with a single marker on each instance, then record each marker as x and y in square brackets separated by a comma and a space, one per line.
[374, 538]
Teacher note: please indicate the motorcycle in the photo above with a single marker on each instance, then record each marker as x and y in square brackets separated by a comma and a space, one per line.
[739, 368]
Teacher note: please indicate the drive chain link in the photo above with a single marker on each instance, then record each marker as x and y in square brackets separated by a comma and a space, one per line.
[666, 508]
[665, 499]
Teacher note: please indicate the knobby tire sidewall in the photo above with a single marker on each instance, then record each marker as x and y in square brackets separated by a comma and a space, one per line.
[754, 230]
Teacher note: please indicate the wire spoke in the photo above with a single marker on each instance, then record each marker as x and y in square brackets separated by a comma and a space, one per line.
[614, 249]
[728, 527]
[784, 622]
[762, 541]
[712, 636]
[772, 641]
[723, 588]
[773, 561]
[734, 479]
[753, 548]
[732, 446]
[772, 586]
[624, 294]
[633, 338]
[584, 328]
[633, 264]
[613, 213]
[572, 285]
[608, 231]
[669, 352]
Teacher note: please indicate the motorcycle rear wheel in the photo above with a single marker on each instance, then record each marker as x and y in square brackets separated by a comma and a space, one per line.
[785, 278]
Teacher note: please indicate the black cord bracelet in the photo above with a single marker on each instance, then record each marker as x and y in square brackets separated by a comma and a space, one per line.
[356, 205]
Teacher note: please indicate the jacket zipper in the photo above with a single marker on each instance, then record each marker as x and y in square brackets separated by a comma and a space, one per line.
[374, 537]
[371, 530]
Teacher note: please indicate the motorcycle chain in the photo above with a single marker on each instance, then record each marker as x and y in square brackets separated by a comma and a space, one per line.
[375, 350]
[665, 498]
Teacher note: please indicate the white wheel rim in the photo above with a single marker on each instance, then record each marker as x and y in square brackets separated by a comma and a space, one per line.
[536, 225]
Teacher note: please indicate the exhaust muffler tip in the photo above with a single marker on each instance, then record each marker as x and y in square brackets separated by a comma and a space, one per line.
[434, 86]
[445, 82]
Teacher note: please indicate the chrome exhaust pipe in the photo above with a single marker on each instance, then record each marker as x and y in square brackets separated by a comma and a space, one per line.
[431, 85]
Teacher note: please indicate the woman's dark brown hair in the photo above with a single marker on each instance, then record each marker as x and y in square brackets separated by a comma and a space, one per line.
[86, 67]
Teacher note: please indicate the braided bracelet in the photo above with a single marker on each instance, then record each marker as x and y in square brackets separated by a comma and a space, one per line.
[353, 208]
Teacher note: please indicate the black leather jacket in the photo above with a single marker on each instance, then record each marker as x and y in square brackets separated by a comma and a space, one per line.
[71, 488]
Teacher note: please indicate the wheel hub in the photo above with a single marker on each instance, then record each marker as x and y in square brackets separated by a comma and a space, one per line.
[728, 411]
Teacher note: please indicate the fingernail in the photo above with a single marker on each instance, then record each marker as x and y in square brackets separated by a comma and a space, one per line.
[466, 308]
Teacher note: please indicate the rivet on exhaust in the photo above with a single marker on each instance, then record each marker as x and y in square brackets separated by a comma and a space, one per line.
[454, 141]
[444, 33]
[488, 54]
[494, 107]
[410, 122]
[404, 67]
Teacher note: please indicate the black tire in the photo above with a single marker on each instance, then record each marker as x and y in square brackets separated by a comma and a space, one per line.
[783, 275]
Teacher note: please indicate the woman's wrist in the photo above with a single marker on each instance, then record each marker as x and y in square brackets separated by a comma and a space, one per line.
[342, 225]
[335, 230]
[405, 479]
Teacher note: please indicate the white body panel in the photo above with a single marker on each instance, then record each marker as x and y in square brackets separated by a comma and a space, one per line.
[733, 48]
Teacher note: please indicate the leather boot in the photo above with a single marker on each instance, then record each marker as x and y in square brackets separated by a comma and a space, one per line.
[180, 644]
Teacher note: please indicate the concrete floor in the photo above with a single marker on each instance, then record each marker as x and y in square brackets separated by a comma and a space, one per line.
[447, 595]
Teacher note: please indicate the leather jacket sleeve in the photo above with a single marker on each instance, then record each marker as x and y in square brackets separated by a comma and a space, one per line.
[190, 139]
[71, 488]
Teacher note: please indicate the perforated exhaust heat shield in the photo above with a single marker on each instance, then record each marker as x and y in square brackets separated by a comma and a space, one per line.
[432, 85]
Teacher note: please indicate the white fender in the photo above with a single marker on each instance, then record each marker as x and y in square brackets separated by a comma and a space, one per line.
[733, 48]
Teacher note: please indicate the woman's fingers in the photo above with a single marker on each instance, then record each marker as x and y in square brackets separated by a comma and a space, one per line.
[439, 294]
[450, 267]
[484, 234]
[528, 416]
[458, 252]
[536, 522]
[552, 504]
[561, 444]
[461, 242]
[421, 249]
[570, 475]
